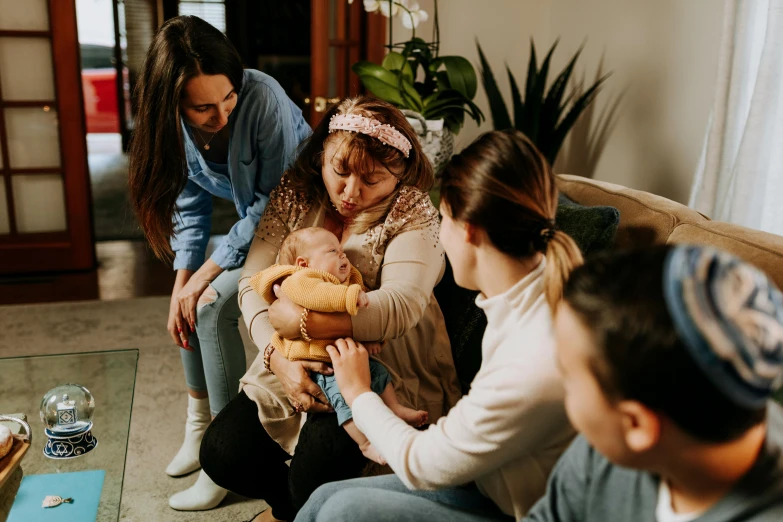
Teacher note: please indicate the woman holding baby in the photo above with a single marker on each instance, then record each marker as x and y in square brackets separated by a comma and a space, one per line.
[363, 177]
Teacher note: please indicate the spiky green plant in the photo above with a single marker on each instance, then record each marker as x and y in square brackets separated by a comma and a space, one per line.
[545, 116]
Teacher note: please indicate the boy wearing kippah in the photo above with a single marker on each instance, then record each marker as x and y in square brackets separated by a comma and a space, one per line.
[669, 357]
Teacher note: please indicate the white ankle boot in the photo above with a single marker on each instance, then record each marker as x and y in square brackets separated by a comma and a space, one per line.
[202, 495]
[186, 459]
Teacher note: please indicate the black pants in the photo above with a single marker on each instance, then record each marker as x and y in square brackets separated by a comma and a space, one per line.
[239, 455]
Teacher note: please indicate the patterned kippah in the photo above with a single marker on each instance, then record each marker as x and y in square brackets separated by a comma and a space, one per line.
[729, 315]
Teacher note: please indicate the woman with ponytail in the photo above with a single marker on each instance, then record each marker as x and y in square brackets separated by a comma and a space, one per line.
[489, 458]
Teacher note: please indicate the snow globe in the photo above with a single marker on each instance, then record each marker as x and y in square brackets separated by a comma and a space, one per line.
[66, 412]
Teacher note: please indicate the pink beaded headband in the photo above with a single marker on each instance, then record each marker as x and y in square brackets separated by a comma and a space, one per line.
[371, 127]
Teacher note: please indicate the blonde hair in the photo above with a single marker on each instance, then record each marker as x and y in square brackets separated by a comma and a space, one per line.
[502, 184]
[295, 243]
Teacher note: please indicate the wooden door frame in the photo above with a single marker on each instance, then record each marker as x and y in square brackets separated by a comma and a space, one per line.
[119, 79]
[73, 249]
[362, 35]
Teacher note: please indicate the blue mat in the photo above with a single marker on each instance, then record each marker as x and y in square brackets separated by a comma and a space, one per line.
[84, 487]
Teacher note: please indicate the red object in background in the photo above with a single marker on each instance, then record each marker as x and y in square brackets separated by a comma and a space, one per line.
[99, 85]
[100, 100]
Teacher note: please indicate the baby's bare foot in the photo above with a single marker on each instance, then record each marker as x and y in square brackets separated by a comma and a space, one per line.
[413, 417]
[369, 451]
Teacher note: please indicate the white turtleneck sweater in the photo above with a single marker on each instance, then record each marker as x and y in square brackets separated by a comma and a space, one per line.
[507, 433]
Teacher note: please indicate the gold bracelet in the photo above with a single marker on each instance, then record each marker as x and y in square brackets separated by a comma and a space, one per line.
[268, 357]
[303, 325]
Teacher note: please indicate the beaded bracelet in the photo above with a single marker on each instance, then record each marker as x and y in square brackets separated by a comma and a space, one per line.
[303, 325]
[268, 356]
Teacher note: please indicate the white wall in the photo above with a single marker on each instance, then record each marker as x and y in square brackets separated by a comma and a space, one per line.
[504, 29]
[663, 56]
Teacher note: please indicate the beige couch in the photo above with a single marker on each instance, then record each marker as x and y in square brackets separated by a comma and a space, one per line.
[647, 219]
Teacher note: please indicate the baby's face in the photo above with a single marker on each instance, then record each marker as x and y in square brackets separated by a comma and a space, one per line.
[325, 253]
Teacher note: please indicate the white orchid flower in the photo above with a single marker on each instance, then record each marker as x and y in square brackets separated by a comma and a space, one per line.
[410, 12]
[373, 5]
[414, 17]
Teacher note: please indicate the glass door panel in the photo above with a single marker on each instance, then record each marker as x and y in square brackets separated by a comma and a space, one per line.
[26, 71]
[33, 137]
[40, 203]
[24, 15]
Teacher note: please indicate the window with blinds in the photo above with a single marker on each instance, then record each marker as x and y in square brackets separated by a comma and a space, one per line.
[213, 11]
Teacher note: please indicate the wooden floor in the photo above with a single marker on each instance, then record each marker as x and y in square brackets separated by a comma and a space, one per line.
[126, 269]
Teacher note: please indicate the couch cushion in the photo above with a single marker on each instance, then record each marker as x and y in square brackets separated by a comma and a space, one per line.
[645, 219]
[593, 228]
[758, 248]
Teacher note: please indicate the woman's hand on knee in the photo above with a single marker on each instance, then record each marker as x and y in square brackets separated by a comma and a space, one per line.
[188, 298]
[299, 387]
[177, 325]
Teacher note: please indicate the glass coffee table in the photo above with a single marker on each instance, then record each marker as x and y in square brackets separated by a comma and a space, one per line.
[111, 377]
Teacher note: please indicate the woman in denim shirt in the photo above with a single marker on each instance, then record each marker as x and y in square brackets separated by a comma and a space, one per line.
[205, 127]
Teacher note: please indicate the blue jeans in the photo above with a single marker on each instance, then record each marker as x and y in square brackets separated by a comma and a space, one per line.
[380, 379]
[387, 499]
[217, 361]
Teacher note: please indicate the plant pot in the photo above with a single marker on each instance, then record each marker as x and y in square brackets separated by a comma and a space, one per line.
[436, 140]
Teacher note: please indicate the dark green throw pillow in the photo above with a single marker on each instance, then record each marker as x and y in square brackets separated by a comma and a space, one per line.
[593, 229]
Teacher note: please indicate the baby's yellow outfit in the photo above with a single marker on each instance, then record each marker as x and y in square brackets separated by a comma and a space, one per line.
[315, 290]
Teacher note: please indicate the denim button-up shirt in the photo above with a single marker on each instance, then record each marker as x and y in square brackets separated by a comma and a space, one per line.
[265, 130]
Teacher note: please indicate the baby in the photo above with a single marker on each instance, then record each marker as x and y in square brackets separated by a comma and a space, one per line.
[317, 275]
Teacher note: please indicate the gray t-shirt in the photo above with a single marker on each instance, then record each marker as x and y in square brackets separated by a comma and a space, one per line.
[585, 487]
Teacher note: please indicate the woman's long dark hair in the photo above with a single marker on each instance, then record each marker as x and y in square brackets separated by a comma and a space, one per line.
[184, 48]
[502, 184]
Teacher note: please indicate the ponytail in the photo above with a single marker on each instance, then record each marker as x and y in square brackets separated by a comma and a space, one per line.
[504, 185]
[562, 257]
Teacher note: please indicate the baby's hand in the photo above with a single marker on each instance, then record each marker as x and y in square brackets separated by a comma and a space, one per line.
[363, 301]
[372, 348]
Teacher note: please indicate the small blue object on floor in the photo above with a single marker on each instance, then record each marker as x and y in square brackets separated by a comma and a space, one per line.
[84, 487]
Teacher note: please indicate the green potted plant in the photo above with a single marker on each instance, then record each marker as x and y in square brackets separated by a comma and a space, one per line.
[435, 92]
[545, 116]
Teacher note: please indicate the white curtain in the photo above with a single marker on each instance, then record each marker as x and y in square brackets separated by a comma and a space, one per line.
[740, 174]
